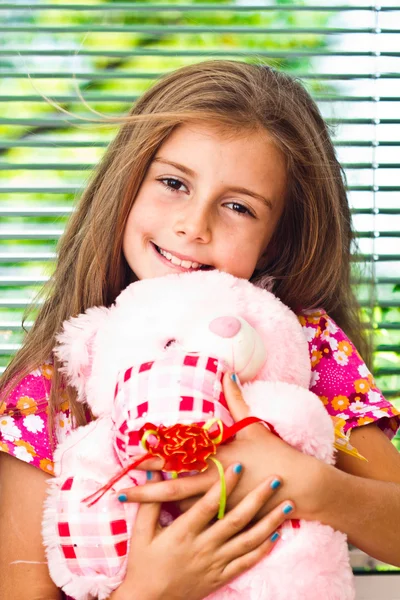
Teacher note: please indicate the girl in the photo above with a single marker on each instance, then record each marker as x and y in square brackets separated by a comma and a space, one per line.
[221, 165]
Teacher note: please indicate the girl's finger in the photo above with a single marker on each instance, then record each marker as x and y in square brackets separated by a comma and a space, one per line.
[263, 533]
[151, 464]
[147, 520]
[247, 561]
[236, 404]
[171, 490]
[198, 517]
[184, 505]
[240, 516]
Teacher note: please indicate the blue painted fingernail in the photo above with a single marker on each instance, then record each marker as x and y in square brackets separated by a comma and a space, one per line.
[275, 484]
[274, 537]
[233, 377]
[122, 497]
[287, 509]
[237, 468]
[149, 475]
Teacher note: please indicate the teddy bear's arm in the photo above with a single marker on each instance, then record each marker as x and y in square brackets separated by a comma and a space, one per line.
[297, 414]
[75, 345]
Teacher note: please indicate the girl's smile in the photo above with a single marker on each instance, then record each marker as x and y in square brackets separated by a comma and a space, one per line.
[208, 200]
[182, 263]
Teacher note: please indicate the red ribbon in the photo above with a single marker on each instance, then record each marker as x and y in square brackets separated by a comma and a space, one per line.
[183, 448]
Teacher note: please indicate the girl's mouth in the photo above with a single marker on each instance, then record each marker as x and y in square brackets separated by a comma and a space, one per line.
[183, 264]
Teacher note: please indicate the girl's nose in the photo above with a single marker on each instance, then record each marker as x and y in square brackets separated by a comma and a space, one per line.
[225, 327]
[194, 224]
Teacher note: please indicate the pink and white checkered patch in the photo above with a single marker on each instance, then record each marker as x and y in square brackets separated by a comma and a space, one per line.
[180, 388]
[92, 540]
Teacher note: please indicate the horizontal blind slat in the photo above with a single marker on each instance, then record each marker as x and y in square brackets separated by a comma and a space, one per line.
[190, 29]
[132, 98]
[27, 257]
[63, 121]
[13, 281]
[63, 166]
[39, 211]
[60, 143]
[14, 325]
[24, 303]
[137, 6]
[71, 189]
[41, 234]
[62, 211]
[115, 76]
[375, 257]
[214, 53]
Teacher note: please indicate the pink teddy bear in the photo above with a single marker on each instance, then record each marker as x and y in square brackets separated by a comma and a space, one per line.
[158, 355]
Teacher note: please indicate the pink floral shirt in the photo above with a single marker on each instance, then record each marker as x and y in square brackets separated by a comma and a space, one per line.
[339, 377]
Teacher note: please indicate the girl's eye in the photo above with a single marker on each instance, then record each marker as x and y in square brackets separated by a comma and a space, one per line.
[240, 208]
[172, 184]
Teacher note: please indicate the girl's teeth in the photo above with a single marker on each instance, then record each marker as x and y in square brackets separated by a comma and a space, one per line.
[186, 264]
[175, 261]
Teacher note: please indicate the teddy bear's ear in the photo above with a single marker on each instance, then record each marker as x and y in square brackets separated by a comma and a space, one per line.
[74, 347]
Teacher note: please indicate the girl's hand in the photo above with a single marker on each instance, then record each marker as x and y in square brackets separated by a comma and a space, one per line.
[194, 556]
[262, 454]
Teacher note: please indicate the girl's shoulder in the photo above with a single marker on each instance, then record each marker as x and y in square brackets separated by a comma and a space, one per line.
[341, 378]
[24, 429]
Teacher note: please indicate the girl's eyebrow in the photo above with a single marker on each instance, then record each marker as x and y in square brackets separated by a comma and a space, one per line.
[238, 189]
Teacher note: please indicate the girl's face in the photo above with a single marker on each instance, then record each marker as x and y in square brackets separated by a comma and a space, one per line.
[207, 200]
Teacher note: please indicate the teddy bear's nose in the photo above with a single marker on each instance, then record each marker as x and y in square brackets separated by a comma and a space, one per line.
[225, 327]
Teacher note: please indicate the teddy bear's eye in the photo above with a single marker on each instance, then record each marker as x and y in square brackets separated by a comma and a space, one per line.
[169, 343]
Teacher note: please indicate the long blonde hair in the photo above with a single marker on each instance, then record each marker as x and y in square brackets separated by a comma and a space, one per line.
[309, 254]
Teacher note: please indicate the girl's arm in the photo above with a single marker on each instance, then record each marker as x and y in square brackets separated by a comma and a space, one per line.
[24, 572]
[363, 498]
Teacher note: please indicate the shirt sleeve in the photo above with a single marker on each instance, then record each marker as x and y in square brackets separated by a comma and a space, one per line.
[341, 378]
[24, 430]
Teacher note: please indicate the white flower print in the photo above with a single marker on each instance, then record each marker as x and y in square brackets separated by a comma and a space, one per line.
[8, 429]
[309, 333]
[63, 426]
[341, 357]
[374, 396]
[33, 423]
[378, 413]
[331, 327]
[363, 370]
[326, 336]
[314, 378]
[36, 373]
[343, 416]
[22, 453]
[358, 406]
[332, 342]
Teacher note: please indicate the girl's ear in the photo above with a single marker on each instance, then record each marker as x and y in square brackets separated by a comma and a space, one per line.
[74, 347]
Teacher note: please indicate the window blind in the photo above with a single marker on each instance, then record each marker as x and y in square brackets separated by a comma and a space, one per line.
[346, 55]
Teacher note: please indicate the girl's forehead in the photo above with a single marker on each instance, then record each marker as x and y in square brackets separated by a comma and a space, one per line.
[191, 139]
[223, 131]
[237, 154]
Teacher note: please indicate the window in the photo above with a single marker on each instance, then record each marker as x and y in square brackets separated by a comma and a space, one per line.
[345, 54]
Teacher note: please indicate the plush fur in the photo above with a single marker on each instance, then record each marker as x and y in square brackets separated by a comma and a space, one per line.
[151, 320]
